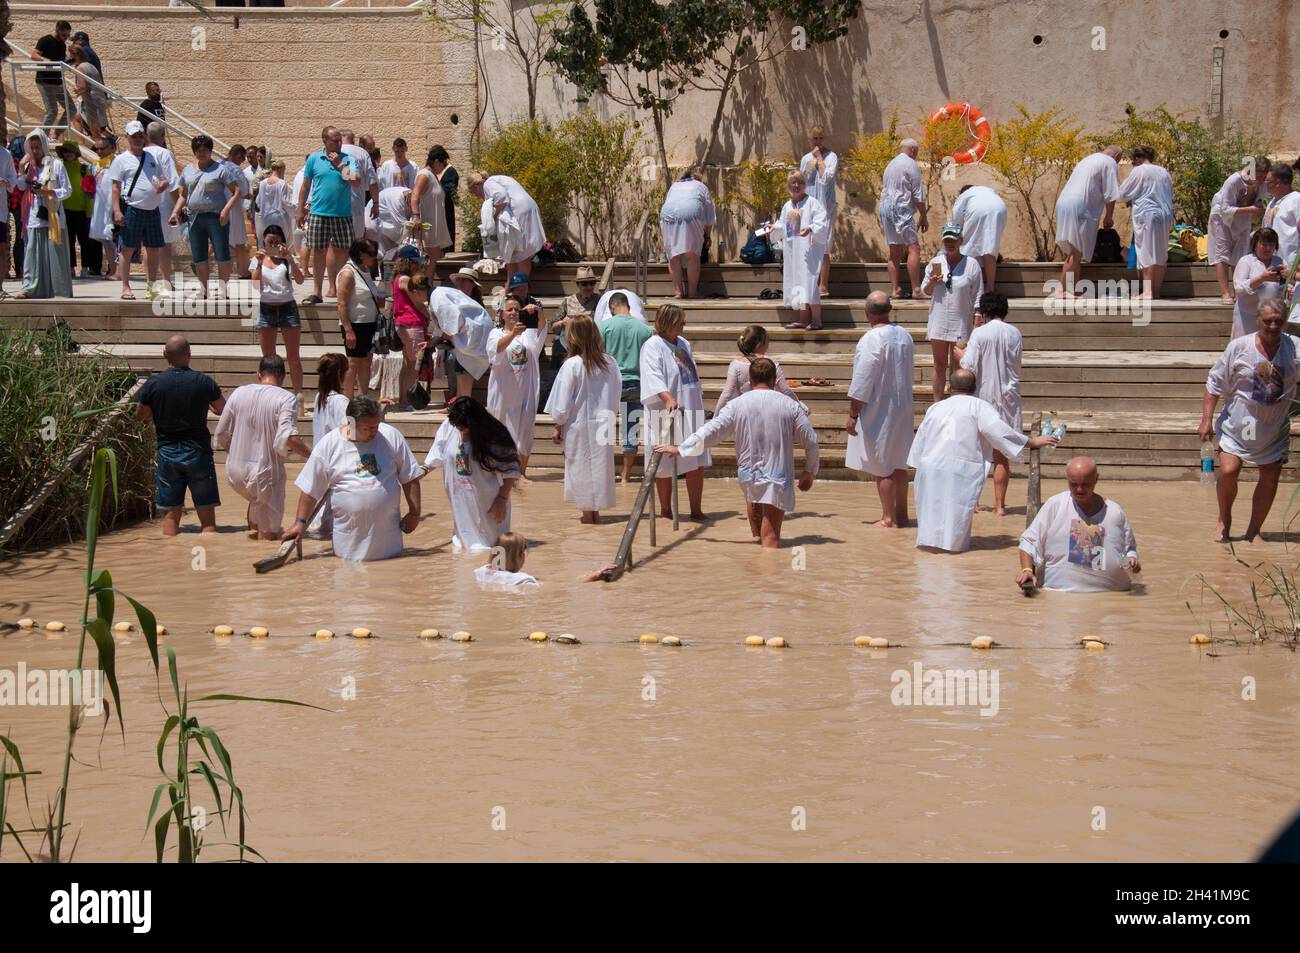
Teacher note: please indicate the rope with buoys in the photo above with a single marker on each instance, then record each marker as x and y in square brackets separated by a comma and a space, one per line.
[976, 124]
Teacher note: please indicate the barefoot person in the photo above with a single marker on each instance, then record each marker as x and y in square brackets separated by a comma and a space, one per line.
[901, 195]
[820, 167]
[685, 219]
[671, 383]
[515, 350]
[514, 213]
[1086, 203]
[1232, 211]
[625, 335]
[767, 426]
[993, 355]
[258, 429]
[1256, 374]
[480, 467]
[880, 409]
[584, 405]
[1149, 190]
[1257, 278]
[177, 400]
[1082, 541]
[949, 451]
[954, 282]
[803, 229]
[464, 322]
[982, 215]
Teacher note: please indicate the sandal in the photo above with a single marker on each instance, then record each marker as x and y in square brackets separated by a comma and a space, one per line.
[128, 295]
[312, 299]
[818, 382]
[795, 326]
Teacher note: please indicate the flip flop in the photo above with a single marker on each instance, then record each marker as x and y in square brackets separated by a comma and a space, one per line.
[818, 382]
[312, 299]
[128, 295]
[796, 327]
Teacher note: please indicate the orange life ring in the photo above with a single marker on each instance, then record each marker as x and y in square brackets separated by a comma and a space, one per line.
[976, 123]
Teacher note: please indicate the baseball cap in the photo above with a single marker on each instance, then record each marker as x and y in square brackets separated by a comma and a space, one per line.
[951, 230]
[517, 279]
[135, 128]
[410, 253]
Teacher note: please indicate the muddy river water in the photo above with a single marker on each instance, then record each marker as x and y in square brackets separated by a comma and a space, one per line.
[503, 749]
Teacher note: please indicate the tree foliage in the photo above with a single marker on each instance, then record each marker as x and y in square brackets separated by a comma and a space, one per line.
[756, 189]
[864, 163]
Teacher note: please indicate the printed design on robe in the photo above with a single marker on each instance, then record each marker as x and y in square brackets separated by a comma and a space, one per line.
[462, 460]
[685, 365]
[368, 463]
[1266, 384]
[517, 355]
[1087, 544]
[794, 221]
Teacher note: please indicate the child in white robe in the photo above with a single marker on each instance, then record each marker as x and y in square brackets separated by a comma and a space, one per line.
[503, 570]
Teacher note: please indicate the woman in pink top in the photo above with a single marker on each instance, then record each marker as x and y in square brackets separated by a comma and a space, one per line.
[752, 344]
[410, 315]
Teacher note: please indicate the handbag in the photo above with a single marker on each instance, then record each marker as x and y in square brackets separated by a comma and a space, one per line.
[417, 395]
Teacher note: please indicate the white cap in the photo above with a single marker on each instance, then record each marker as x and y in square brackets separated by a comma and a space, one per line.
[135, 128]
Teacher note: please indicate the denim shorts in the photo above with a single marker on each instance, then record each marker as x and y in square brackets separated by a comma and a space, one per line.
[283, 315]
[205, 227]
[633, 413]
[182, 465]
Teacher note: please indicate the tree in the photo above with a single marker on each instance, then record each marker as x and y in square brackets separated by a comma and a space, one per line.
[605, 190]
[755, 32]
[864, 164]
[639, 53]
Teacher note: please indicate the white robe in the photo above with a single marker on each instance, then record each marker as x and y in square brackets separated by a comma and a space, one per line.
[952, 311]
[1149, 190]
[392, 175]
[901, 191]
[366, 177]
[767, 427]
[738, 383]
[993, 354]
[519, 223]
[498, 580]
[1253, 423]
[1283, 216]
[390, 218]
[982, 215]
[802, 257]
[364, 482]
[634, 304]
[101, 217]
[468, 325]
[948, 453]
[254, 430]
[586, 407]
[325, 420]
[1230, 221]
[471, 491]
[686, 212]
[1093, 183]
[668, 368]
[515, 383]
[1245, 312]
[883, 369]
[1081, 553]
[433, 213]
[821, 185]
[167, 204]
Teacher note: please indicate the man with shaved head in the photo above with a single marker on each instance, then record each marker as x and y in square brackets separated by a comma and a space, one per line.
[956, 438]
[177, 400]
[1082, 541]
[902, 193]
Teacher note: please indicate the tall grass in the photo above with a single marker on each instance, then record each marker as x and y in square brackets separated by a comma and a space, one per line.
[1272, 613]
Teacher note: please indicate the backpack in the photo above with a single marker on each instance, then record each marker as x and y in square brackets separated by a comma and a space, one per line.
[1108, 250]
[757, 251]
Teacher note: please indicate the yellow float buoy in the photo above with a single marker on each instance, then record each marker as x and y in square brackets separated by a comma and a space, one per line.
[430, 634]
[671, 640]
[862, 641]
[1200, 638]
[879, 642]
[361, 633]
[776, 642]
[123, 627]
[754, 640]
[648, 638]
[537, 636]
[258, 632]
[162, 629]
[462, 637]
[222, 631]
[26, 623]
[982, 642]
[1093, 645]
[324, 635]
[54, 627]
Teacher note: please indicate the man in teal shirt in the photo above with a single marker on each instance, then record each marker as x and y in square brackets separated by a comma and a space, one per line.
[625, 335]
[327, 188]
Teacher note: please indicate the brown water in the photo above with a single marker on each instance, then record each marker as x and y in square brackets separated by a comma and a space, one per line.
[736, 740]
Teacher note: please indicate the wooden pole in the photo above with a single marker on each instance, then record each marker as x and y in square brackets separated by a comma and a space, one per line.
[623, 560]
[672, 426]
[1035, 500]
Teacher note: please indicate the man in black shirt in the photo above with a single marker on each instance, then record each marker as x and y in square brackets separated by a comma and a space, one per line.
[54, 48]
[151, 106]
[177, 400]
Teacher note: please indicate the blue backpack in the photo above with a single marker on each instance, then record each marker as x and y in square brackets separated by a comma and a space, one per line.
[757, 251]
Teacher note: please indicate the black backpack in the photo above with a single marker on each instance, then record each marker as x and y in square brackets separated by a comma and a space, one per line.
[757, 251]
[1108, 250]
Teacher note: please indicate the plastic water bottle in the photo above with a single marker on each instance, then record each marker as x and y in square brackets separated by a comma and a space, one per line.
[1207, 463]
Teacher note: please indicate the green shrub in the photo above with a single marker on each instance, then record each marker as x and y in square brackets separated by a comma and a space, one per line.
[540, 159]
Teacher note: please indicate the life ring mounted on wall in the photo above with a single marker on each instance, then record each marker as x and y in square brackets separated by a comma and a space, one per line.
[976, 124]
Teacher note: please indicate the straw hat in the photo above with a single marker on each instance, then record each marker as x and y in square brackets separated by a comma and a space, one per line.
[469, 273]
[585, 273]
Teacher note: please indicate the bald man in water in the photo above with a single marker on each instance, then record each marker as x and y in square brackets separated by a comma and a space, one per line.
[1083, 541]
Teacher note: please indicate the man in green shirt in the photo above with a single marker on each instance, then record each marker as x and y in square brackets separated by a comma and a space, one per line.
[76, 209]
[625, 335]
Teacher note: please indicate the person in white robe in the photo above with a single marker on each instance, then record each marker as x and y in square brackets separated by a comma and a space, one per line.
[479, 467]
[329, 412]
[1257, 278]
[366, 183]
[635, 306]
[993, 356]
[753, 343]
[1079, 540]
[466, 324]
[767, 426]
[802, 231]
[948, 453]
[671, 392]
[1283, 211]
[685, 219]
[391, 217]
[157, 135]
[584, 405]
[1256, 376]
[881, 411]
[366, 468]
[954, 283]
[514, 214]
[820, 167]
[516, 378]
[258, 429]
[238, 228]
[397, 171]
[982, 215]
[902, 202]
[1149, 190]
[429, 213]
[1085, 204]
[1232, 210]
[503, 571]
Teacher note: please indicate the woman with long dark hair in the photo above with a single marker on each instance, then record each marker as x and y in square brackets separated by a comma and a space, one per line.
[480, 466]
[329, 413]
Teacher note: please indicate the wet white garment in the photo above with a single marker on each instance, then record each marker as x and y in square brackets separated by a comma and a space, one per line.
[634, 303]
[274, 208]
[515, 383]
[982, 215]
[955, 438]
[883, 370]
[802, 256]
[686, 212]
[498, 580]
[585, 406]
[1093, 183]
[1253, 423]
[1149, 190]
[767, 426]
[467, 324]
[254, 430]
[364, 481]
[1245, 312]
[394, 212]
[325, 420]
[433, 213]
[821, 184]
[952, 310]
[239, 214]
[519, 223]
[471, 491]
[1081, 553]
[1283, 216]
[366, 177]
[670, 368]
[1230, 221]
[901, 191]
[392, 175]
[993, 354]
[738, 383]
